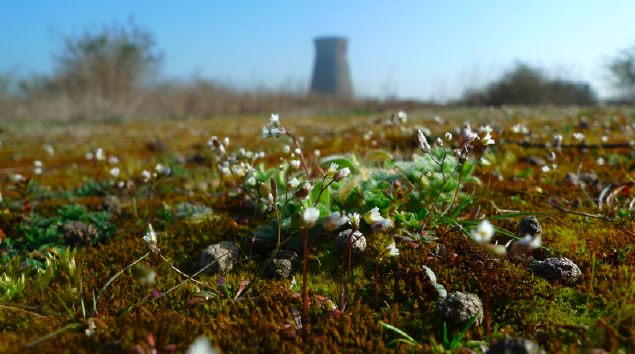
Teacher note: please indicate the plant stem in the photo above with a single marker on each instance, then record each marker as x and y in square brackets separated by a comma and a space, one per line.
[306, 169]
[377, 282]
[305, 299]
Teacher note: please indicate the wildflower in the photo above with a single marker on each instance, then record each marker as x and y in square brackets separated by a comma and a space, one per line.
[423, 143]
[162, 169]
[113, 160]
[269, 202]
[238, 171]
[334, 221]
[145, 176]
[37, 167]
[274, 120]
[487, 140]
[470, 137]
[251, 181]
[99, 154]
[448, 136]
[439, 141]
[144, 274]
[213, 142]
[261, 155]
[48, 148]
[391, 250]
[551, 156]
[202, 345]
[402, 116]
[226, 171]
[545, 169]
[89, 156]
[483, 233]
[353, 219]
[1, 198]
[332, 170]
[557, 140]
[310, 217]
[381, 225]
[286, 149]
[151, 237]
[373, 216]
[497, 250]
[273, 132]
[298, 151]
[485, 162]
[316, 153]
[121, 184]
[114, 172]
[226, 141]
[295, 164]
[341, 174]
[526, 244]
[486, 129]
[303, 192]
[456, 152]
[601, 161]
[293, 183]
[578, 136]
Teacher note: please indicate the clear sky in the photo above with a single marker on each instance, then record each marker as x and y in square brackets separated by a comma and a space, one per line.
[411, 49]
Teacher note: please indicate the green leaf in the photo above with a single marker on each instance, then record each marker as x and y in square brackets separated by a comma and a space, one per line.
[377, 155]
[342, 161]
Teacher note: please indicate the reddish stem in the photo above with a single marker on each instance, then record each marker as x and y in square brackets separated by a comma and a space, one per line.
[305, 299]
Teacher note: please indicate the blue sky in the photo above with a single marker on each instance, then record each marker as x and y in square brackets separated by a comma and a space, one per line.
[411, 49]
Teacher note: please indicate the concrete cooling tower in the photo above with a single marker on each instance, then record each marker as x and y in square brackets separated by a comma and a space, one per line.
[330, 74]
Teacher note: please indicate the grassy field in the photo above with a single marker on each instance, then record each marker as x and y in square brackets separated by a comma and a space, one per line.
[78, 199]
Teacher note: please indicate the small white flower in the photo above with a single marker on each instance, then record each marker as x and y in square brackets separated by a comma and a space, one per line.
[485, 129]
[448, 136]
[332, 169]
[601, 161]
[293, 183]
[439, 141]
[1, 198]
[316, 153]
[226, 171]
[238, 171]
[487, 140]
[310, 217]
[150, 237]
[526, 244]
[99, 154]
[483, 232]
[605, 139]
[341, 174]
[202, 345]
[160, 169]
[423, 143]
[113, 160]
[273, 132]
[403, 116]
[269, 202]
[286, 149]
[578, 136]
[121, 184]
[226, 141]
[557, 140]
[551, 156]
[470, 137]
[114, 172]
[37, 170]
[48, 148]
[353, 219]
[373, 216]
[545, 169]
[295, 164]
[391, 250]
[274, 120]
[144, 274]
[484, 161]
[381, 225]
[89, 156]
[145, 176]
[37, 163]
[18, 177]
[334, 221]
[298, 151]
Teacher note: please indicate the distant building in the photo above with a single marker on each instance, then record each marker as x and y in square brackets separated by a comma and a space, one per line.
[331, 76]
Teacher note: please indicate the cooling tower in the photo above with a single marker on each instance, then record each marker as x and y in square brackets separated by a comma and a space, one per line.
[330, 74]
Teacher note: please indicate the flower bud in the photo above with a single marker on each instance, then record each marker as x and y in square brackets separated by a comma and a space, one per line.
[341, 174]
[334, 221]
[373, 216]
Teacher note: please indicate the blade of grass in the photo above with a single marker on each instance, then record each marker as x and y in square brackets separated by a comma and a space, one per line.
[50, 335]
[66, 308]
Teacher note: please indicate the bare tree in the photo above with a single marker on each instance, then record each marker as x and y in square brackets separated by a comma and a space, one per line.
[621, 69]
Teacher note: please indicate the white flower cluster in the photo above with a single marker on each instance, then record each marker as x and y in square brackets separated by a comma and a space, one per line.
[377, 222]
[273, 129]
[484, 232]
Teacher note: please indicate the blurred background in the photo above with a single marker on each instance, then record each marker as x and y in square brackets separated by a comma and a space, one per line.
[116, 60]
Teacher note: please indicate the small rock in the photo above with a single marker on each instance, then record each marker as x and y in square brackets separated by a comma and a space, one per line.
[458, 309]
[76, 233]
[358, 242]
[509, 345]
[557, 269]
[112, 205]
[157, 146]
[530, 225]
[225, 254]
[284, 265]
[536, 161]
[571, 179]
